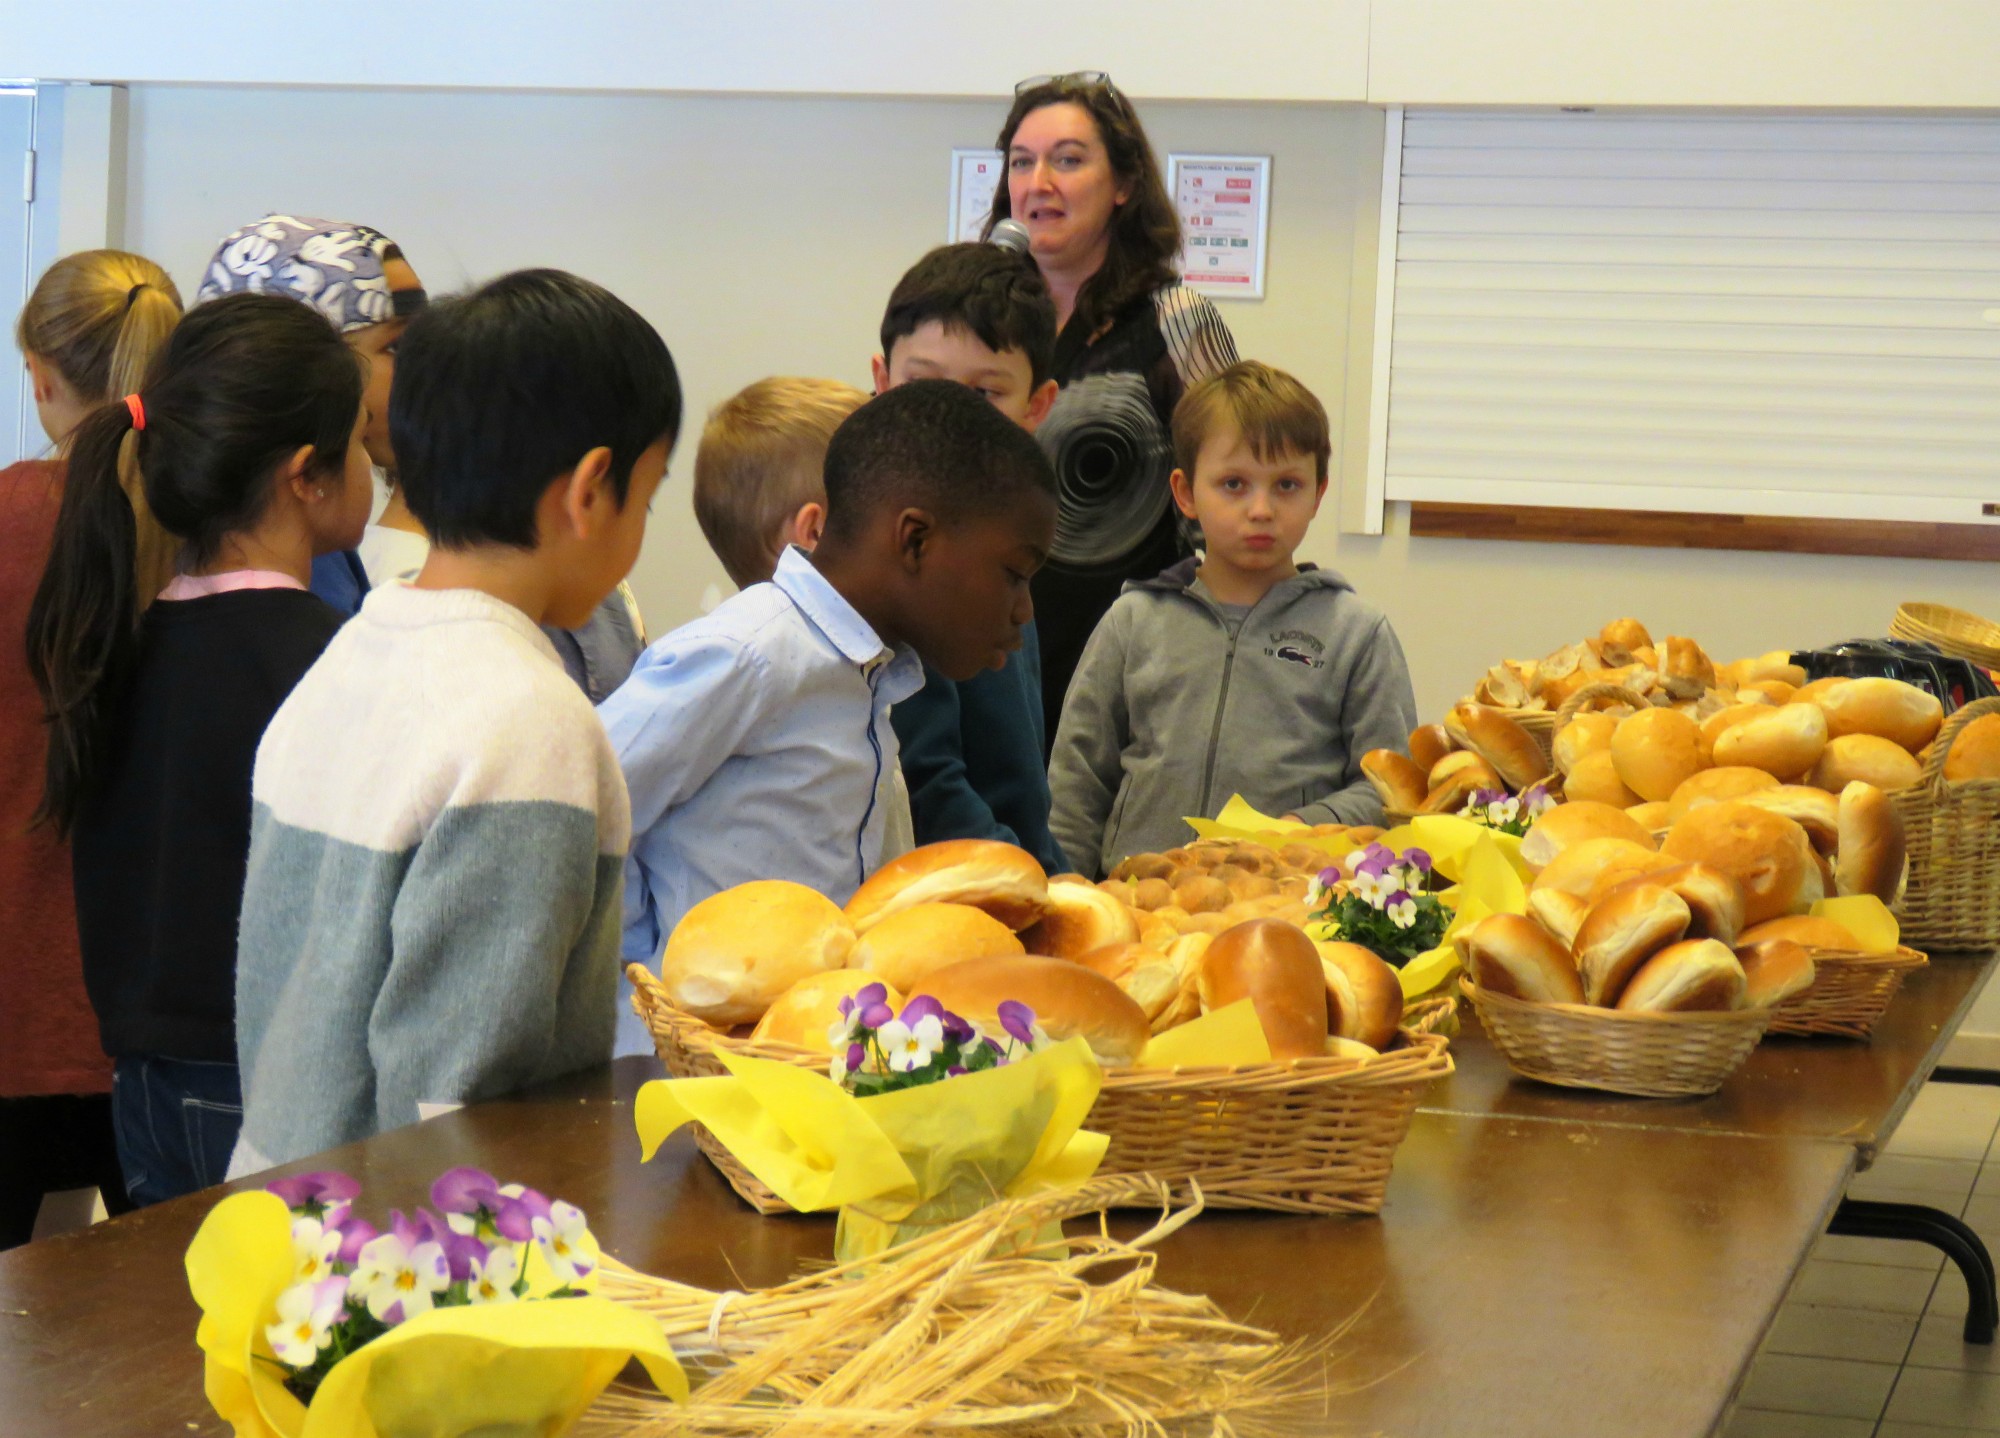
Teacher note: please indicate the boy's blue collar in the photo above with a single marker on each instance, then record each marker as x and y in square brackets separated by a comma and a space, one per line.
[827, 607]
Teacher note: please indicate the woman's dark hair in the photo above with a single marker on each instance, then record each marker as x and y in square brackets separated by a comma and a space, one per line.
[243, 383]
[1145, 230]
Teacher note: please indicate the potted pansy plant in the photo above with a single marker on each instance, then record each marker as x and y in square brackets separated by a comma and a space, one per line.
[1497, 809]
[1382, 901]
[877, 1050]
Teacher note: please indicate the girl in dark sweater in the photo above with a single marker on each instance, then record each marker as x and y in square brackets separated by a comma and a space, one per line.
[247, 440]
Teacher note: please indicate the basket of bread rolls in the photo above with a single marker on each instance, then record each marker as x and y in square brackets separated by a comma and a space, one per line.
[1952, 814]
[1854, 980]
[1476, 750]
[760, 970]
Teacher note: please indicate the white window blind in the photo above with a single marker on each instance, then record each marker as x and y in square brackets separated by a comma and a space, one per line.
[1776, 315]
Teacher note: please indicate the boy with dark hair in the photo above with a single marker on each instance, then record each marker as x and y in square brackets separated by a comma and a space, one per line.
[1240, 672]
[980, 316]
[756, 741]
[439, 828]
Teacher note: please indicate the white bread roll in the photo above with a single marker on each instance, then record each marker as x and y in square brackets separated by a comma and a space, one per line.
[1654, 816]
[803, 1013]
[1784, 742]
[1511, 955]
[1154, 931]
[1775, 665]
[1766, 853]
[1623, 929]
[1585, 734]
[734, 953]
[1810, 930]
[1151, 894]
[1774, 691]
[1654, 750]
[1624, 634]
[1872, 845]
[1726, 718]
[1200, 893]
[1866, 759]
[1151, 978]
[1185, 955]
[1579, 868]
[1712, 786]
[1814, 810]
[1559, 913]
[1079, 919]
[1975, 753]
[1276, 967]
[1574, 822]
[1428, 744]
[1685, 669]
[1004, 881]
[1397, 781]
[1594, 778]
[1715, 900]
[1364, 998]
[1699, 974]
[904, 948]
[1455, 779]
[1888, 708]
[1068, 1000]
[1500, 741]
[1773, 971]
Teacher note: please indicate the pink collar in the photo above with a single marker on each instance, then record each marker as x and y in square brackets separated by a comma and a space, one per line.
[199, 586]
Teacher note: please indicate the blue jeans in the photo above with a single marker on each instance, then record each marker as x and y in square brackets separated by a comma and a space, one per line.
[176, 1122]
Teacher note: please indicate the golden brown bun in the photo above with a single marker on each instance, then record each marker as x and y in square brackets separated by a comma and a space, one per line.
[1503, 687]
[1699, 974]
[1872, 848]
[1201, 893]
[1773, 971]
[1185, 956]
[1714, 900]
[734, 953]
[906, 946]
[1077, 920]
[1454, 779]
[1577, 869]
[1004, 881]
[1068, 999]
[1511, 955]
[1364, 998]
[1145, 866]
[1594, 778]
[1685, 669]
[1654, 750]
[1654, 816]
[1574, 822]
[1277, 968]
[1775, 690]
[1785, 742]
[1814, 810]
[1559, 913]
[1149, 976]
[802, 1014]
[1975, 754]
[1397, 782]
[1810, 693]
[1775, 665]
[1711, 786]
[1584, 734]
[1500, 741]
[1154, 931]
[1623, 929]
[1151, 894]
[1867, 758]
[1885, 707]
[1808, 929]
[1625, 634]
[1726, 718]
[1428, 744]
[1766, 853]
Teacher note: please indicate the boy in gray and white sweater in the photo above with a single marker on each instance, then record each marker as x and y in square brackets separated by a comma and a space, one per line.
[1242, 673]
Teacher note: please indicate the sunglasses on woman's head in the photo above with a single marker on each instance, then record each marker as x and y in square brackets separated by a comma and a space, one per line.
[1074, 77]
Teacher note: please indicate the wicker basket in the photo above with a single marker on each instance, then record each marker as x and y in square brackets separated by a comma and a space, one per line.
[1650, 1055]
[1849, 992]
[1541, 726]
[1953, 831]
[1308, 1136]
[1953, 631]
[1433, 1014]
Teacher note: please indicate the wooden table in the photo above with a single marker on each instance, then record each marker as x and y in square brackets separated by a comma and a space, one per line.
[1534, 1278]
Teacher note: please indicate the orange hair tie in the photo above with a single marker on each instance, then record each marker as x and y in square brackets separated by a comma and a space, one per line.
[138, 409]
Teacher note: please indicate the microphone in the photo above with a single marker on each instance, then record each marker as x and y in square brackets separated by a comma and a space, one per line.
[1010, 234]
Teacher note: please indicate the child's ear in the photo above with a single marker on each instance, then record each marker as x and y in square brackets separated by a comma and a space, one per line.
[584, 495]
[1183, 489]
[807, 526]
[1039, 403]
[1319, 493]
[916, 531]
[879, 367]
[296, 473]
[42, 376]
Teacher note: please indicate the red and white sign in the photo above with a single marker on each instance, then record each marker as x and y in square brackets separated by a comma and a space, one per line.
[1225, 205]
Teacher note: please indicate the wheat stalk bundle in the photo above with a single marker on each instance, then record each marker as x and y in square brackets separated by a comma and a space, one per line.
[981, 1327]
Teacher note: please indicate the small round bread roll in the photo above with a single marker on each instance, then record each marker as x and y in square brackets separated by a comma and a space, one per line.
[1777, 664]
[1975, 754]
[1585, 734]
[1623, 929]
[1655, 816]
[1511, 955]
[1627, 634]
[1810, 693]
[1068, 1000]
[1872, 846]
[1888, 708]
[1865, 758]
[1685, 668]
[1079, 919]
[1428, 744]
[1151, 978]
[1766, 853]
[907, 946]
[1154, 931]
[1004, 881]
[1578, 868]
[1304, 858]
[1174, 914]
[1808, 929]
[1151, 894]
[1714, 900]
[1775, 690]
[1814, 810]
[1574, 822]
[1277, 968]
[1397, 781]
[1364, 998]
[1773, 971]
[1711, 786]
[1785, 742]
[1455, 779]
[1559, 913]
[735, 952]
[1201, 893]
[1726, 718]
[1594, 778]
[1500, 741]
[1211, 923]
[1145, 866]
[1696, 975]
[1654, 750]
[1185, 956]
[803, 1013]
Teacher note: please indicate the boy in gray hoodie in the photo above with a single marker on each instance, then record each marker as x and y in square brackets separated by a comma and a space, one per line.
[1238, 673]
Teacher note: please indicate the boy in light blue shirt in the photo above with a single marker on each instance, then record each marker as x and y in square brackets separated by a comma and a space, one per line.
[756, 742]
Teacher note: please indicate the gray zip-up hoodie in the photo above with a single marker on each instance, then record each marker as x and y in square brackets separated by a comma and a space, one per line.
[1170, 713]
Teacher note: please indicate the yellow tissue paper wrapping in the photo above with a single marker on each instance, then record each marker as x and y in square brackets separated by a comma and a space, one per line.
[898, 1164]
[504, 1370]
[1240, 823]
[1866, 917]
[1227, 1038]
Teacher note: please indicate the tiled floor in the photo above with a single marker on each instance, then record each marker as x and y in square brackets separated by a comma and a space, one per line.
[1868, 1344]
